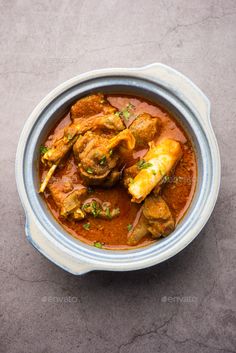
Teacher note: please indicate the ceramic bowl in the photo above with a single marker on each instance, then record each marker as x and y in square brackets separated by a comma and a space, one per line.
[160, 84]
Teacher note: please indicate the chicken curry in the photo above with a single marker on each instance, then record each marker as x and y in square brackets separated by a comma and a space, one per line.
[118, 172]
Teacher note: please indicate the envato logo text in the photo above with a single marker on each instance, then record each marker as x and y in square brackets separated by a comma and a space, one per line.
[51, 299]
[178, 299]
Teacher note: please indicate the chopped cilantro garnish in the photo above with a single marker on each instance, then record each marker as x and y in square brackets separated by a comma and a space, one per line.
[129, 227]
[95, 209]
[142, 164]
[108, 213]
[85, 205]
[86, 226]
[126, 114]
[89, 170]
[97, 244]
[94, 204]
[130, 106]
[103, 160]
[154, 172]
[43, 149]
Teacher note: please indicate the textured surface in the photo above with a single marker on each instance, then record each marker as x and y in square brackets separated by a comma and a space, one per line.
[184, 305]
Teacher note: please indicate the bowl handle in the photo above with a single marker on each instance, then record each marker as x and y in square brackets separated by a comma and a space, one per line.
[182, 86]
[54, 251]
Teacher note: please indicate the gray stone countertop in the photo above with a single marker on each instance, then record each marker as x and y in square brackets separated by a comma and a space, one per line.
[186, 304]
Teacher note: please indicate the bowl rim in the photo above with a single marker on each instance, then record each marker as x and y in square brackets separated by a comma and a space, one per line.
[109, 262]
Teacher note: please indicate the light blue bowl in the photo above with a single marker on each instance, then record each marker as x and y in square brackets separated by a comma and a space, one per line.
[160, 84]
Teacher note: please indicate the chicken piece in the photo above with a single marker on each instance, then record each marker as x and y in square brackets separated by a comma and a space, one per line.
[98, 156]
[131, 172]
[129, 175]
[156, 219]
[91, 105]
[144, 128]
[158, 162]
[138, 232]
[95, 161]
[112, 179]
[84, 110]
[104, 122]
[160, 220]
[124, 139]
[67, 199]
[71, 205]
[61, 146]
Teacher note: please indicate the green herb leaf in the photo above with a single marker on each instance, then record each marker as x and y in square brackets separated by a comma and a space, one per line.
[103, 160]
[142, 164]
[95, 209]
[43, 149]
[154, 172]
[86, 226]
[108, 213]
[85, 205]
[89, 170]
[126, 111]
[117, 113]
[111, 152]
[97, 244]
[126, 114]
[129, 227]
[130, 106]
